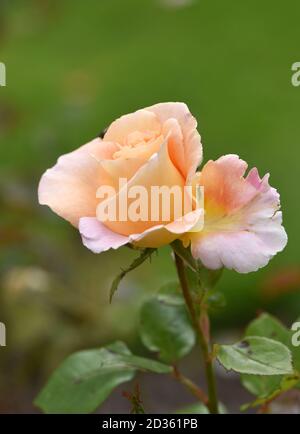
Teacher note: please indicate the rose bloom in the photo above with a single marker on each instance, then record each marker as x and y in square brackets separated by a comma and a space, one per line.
[160, 146]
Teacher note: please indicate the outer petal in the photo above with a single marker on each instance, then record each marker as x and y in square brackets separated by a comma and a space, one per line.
[160, 235]
[69, 188]
[187, 154]
[243, 228]
[98, 238]
[225, 188]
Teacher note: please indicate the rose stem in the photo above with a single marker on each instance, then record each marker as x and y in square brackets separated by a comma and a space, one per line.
[209, 372]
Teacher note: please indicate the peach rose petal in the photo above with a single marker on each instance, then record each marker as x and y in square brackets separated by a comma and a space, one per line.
[243, 225]
[160, 235]
[172, 130]
[69, 188]
[121, 168]
[158, 171]
[225, 188]
[141, 120]
[97, 238]
[127, 166]
[192, 147]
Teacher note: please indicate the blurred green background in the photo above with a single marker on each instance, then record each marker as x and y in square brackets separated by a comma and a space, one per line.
[72, 68]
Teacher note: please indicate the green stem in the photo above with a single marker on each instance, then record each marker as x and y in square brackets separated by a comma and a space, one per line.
[207, 357]
[191, 386]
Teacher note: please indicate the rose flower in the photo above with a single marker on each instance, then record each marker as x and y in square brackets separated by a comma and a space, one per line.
[160, 146]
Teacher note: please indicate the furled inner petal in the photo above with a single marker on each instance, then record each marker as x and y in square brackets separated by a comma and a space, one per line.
[158, 171]
[127, 160]
[142, 121]
[172, 130]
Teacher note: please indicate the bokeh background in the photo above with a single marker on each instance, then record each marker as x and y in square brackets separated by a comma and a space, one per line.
[72, 68]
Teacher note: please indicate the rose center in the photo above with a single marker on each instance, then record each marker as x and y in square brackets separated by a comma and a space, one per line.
[134, 144]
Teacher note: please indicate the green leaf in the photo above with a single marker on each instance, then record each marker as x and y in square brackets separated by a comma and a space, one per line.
[261, 385]
[147, 365]
[265, 326]
[208, 278]
[256, 355]
[196, 408]
[215, 301]
[266, 387]
[171, 294]
[286, 383]
[145, 254]
[269, 327]
[165, 325]
[199, 408]
[85, 379]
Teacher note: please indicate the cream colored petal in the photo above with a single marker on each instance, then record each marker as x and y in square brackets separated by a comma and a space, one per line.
[127, 167]
[191, 138]
[161, 235]
[121, 168]
[141, 120]
[158, 171]
[69, 188]
[172, 130]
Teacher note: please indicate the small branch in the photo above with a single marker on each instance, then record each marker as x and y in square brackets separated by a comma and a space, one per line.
[193, 388]
[135, 400]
